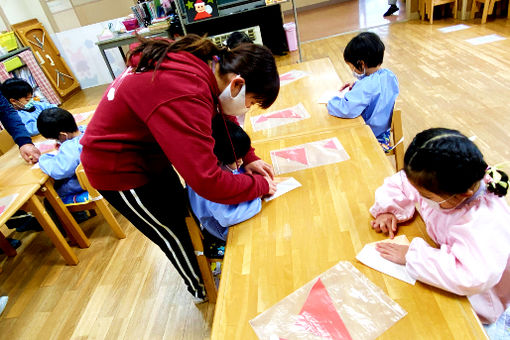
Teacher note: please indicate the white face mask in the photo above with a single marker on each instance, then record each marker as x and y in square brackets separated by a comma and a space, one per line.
[358, 75]
[233, 106]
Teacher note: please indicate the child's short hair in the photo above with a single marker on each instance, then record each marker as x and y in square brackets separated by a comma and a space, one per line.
[444, 161]
[239, 139]
[366, 46]
[51, 122]
[15, 88]
[237, 38]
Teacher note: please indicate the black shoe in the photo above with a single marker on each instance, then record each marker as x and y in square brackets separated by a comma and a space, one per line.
[390, 11]
[13, 242]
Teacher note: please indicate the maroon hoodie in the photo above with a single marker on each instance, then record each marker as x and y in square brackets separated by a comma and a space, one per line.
[147, 121]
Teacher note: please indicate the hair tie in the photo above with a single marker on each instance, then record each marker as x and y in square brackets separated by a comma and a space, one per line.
[493, 177]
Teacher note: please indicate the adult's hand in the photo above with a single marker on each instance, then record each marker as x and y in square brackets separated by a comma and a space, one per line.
[259, 167]
[30, 153]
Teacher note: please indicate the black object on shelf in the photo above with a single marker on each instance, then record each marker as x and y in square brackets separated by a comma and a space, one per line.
[268, 18]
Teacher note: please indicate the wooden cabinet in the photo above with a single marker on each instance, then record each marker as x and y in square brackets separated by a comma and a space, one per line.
[33, 34]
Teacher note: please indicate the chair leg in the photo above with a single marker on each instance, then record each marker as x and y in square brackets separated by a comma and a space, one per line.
[110, 219]
[455, 9]
[6, 246]
[486, 6]
[473, 10]
[431, 11]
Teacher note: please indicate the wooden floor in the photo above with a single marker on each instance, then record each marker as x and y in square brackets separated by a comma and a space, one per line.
[128, 290]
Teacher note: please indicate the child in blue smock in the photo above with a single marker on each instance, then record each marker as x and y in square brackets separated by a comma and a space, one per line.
[20, 94]
[58, 124]
[217, 217]
[374, 93]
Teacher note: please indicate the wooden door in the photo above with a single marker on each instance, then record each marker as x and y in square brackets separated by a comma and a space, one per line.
[33, 34]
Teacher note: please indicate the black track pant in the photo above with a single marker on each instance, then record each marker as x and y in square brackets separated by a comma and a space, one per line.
[158, 210]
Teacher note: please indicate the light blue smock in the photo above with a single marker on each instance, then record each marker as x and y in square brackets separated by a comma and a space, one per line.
[372, 97]
[217, 217]
[30, 118]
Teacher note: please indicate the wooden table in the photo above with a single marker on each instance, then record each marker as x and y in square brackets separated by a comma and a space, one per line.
[303, 233]
[16, 174]
[322, 77]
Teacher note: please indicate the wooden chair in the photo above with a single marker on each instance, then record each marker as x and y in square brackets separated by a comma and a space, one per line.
[397, 137]
[204, 263]
[488, 9]
[6, 141]
[426, 7]
[96, 202]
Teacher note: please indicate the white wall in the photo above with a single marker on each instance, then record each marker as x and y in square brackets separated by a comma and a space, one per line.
[21, 10]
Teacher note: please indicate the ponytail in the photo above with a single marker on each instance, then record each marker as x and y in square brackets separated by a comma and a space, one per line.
[497, 181]
[254, 63]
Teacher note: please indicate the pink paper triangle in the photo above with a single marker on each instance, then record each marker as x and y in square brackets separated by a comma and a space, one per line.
[261, 119]
[330, 144]
[319, 316]
[288, 113]
[297, 154]
[2, 208]
[287, 76]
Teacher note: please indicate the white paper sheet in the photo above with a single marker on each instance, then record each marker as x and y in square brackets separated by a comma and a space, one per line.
[6, 201]
[485, 39]
[291, 76]
[273, 119]
[453, 28]
[370, 257]
[283, 186]
[36, 165]
[328, 95]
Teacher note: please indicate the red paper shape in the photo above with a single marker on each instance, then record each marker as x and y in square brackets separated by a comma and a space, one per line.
[319, 316]
[288, 113]
[47, 147]
[330, 145]
[80, 117]
[287, 76]
[2, 209]
[297, 154]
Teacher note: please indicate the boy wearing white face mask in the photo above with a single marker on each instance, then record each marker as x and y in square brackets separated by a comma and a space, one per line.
[59, 124]
[20, 94]
[374, 93]
[461, 202]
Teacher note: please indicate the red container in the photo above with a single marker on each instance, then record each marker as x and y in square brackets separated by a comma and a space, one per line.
[130, 24]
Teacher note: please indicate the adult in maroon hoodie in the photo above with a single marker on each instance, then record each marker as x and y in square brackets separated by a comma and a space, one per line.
[158, 113]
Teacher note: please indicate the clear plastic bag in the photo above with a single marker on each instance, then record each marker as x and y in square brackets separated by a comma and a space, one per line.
[341, 303]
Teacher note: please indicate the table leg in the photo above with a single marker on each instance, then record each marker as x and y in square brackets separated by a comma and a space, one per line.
[107, 63]
[37, 208]
[122, 53]
[6, 246]
[69, 223]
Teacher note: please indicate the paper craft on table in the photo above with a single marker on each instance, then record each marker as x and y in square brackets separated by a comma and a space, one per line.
[283, 186]
[453, 28]
[328, 95]
[309, 155]
[370, 257]
[80, 117]
[46, 146]
[291, 76]
[485, 39]
[6, 201]
[276, 118]
[341, 303]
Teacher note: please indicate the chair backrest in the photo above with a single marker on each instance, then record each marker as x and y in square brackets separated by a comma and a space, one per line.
[398, 139]
[6, 141]
[84, 182]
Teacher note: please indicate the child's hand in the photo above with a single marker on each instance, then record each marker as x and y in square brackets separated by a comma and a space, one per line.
[348, 85]
[386, 223]
[392, 252]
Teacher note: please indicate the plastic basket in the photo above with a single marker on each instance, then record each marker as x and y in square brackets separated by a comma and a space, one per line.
[8, 41]
[12, 64]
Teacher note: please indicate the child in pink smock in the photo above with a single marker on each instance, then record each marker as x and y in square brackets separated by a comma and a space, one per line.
[461, 201]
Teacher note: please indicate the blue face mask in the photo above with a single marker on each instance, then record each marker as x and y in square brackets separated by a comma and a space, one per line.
[358, 75]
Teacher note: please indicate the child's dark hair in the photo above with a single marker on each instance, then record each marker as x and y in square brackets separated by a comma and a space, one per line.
[367, 47]
[51, 122]
[15, 88]
[237, 38]
[222, 143]
[446, 162]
